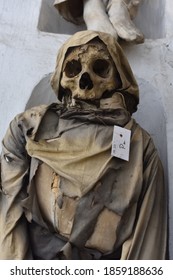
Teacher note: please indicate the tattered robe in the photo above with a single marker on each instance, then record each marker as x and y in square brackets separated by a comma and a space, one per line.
[64, 196]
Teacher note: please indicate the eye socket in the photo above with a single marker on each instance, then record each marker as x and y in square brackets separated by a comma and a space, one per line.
[72, 68]
[101, 67]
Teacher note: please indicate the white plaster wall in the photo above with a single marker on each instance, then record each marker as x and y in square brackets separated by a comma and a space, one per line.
[27, 54]
[151, 18]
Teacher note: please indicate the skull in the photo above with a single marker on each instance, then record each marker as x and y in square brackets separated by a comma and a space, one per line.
[89, 71]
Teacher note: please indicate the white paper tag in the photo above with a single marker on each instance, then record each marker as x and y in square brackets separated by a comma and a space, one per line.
[121, 143]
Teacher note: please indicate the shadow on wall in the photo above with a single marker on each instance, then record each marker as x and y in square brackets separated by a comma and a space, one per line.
[150, 19]
[150, 114]
[42, 93]
[51, 21]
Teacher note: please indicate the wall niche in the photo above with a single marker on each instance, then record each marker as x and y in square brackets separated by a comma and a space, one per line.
[150, 19]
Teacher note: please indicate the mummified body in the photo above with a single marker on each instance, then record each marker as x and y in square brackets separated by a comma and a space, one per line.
[63, 194]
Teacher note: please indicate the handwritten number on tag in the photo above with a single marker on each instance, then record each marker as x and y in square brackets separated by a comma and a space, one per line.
[121, 143]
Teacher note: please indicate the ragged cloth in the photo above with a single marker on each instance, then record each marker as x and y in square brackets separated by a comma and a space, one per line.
[86, 198]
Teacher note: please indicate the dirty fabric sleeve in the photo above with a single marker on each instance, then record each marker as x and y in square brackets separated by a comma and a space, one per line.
[149, 236]
[134, 200]
[14, 242]
[14, 176]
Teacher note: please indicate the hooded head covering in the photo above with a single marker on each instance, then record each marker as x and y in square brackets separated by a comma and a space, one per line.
[129, 87]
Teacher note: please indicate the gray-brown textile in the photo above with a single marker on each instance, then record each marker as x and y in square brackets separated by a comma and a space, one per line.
[116, 200]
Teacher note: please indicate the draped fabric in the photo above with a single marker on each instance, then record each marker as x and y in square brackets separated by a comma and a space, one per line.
[64, 196]
[91, 199]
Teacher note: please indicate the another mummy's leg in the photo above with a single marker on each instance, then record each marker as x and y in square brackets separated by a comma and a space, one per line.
[96, 18]
[120, 13]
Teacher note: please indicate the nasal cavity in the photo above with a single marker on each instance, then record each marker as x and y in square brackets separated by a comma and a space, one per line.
[85, 81]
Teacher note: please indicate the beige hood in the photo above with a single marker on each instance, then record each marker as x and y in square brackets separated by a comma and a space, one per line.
[129, 87]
